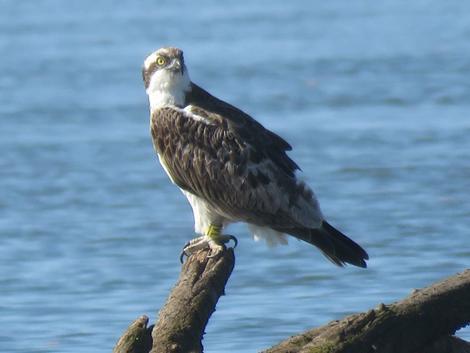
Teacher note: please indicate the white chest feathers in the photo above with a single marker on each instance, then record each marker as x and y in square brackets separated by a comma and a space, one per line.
[168, 88]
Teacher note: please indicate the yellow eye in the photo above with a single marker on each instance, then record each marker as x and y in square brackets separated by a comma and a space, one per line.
[161, 61]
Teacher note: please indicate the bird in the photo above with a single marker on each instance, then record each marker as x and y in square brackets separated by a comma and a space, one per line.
[231, 168]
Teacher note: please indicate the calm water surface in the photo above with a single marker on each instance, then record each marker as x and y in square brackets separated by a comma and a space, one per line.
[374, 97]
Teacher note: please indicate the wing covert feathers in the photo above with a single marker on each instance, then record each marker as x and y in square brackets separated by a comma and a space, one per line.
[218, 153]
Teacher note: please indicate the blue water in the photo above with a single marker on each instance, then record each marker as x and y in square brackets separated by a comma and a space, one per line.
[374, 97]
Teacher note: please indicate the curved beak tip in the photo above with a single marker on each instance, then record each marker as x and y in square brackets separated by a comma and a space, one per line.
[176, 65]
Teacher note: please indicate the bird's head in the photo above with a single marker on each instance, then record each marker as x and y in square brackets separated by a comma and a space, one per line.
[165, 77]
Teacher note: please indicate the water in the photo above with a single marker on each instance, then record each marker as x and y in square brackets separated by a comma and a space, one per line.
[374, 97]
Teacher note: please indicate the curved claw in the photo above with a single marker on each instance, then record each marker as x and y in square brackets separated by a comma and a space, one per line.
[182, 255]
[183, 252]
[235, 241]
[204, 242]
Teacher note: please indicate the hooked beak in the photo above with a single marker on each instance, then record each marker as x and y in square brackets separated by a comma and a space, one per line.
[175, 65]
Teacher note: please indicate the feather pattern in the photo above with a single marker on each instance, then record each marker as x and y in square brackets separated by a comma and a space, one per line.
[230, 167]
[225, 157]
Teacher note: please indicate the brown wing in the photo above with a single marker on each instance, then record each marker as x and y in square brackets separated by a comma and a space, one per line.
[264, 142]
[227, 158]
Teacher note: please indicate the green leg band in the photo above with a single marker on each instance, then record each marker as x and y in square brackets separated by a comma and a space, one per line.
[214, 232]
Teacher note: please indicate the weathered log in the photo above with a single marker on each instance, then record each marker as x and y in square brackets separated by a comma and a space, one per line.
[137, 338]
[447, 344]
[183, 318]
[422, 323]
[416, 324]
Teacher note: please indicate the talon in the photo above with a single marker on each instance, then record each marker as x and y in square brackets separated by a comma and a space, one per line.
[213, 240]
[224, 239]
[182, 255]
[183, 252]
[235, 241]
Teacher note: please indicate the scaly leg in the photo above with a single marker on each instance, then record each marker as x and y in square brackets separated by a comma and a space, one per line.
[213, 240]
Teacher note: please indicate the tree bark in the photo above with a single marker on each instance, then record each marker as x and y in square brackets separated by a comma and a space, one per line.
[183, 318]
[416, 324]
[424, 322]
[137, 338]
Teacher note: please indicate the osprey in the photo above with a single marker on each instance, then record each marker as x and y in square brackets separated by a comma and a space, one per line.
[231, 168]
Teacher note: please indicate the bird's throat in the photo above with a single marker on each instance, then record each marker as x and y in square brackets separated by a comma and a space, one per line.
[168, 89]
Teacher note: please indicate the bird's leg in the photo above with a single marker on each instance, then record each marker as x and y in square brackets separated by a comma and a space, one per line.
[214, 240]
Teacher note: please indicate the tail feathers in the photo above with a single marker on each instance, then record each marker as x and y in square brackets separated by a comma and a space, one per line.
[336, 246]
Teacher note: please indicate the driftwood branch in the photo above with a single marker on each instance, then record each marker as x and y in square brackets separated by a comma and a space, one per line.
[422, 323]
[183, 318]
[424, 320]
[137, 338]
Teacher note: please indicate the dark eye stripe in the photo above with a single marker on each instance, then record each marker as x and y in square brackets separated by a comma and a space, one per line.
[146, 74]
[152, 67]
